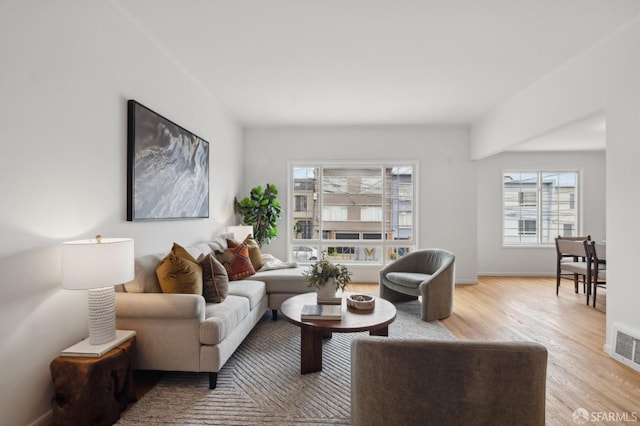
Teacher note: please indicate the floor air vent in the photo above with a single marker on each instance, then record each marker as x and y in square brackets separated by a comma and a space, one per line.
[626, 346]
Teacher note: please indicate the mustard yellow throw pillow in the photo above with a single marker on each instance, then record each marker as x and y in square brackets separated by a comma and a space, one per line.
[179, 272]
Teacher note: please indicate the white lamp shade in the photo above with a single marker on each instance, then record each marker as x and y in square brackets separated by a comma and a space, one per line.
[240, 232]
[88, 264]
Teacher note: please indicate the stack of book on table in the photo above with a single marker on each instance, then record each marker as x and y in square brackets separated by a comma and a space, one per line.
[321, 312]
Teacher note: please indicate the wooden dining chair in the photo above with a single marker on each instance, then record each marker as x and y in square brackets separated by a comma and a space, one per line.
[571, 261]
[598, 267]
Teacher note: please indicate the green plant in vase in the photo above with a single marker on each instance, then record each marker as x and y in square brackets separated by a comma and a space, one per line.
[324, 272]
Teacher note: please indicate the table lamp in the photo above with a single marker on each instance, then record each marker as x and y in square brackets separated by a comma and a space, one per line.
[240, 232]
[97, 265]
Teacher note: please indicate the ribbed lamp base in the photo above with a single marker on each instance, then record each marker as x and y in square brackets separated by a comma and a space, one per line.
[102, 315]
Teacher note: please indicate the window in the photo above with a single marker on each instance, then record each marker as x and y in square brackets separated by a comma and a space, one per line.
[335, 184]
[528, 199]
[405, 219]
[335, 213]
[362, 203]
[301, 203]
[538, 206]
[371, 213]
[526, 227]
[567, 230]
[371, 185]
[405, 191]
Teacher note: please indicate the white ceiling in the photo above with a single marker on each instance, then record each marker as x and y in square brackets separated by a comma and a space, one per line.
[328, 62]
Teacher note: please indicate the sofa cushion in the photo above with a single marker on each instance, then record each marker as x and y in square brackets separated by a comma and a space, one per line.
[199, 249]
[222, 318]
[253, 290]
[254, 250]
[220, 242]
[215, 282]
[146, 280]
[236, 261]
[179, 272]
[407, 279]
[289, 280]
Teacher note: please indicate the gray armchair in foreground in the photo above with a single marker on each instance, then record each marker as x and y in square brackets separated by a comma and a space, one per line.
[425, 382]
[428, 273]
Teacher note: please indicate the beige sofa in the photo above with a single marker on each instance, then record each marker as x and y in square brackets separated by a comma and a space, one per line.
[181, 332]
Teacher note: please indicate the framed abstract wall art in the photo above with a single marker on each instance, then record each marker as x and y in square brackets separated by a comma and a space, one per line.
[167, 168]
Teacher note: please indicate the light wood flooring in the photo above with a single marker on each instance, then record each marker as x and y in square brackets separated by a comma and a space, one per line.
[579, 373]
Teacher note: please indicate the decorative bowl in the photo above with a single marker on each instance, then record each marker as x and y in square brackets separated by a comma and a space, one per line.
[362, 302]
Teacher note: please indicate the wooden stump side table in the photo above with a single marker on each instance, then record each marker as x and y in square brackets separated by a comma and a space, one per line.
[93, 390]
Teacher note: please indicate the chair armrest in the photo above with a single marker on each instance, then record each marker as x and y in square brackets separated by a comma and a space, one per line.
[160, 305]
[402, 264]
[447, 264]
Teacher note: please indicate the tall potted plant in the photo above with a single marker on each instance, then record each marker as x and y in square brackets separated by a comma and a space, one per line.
[261, 209]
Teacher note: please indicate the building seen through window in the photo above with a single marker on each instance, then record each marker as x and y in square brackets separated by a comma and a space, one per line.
[538, 206]
[356, 213]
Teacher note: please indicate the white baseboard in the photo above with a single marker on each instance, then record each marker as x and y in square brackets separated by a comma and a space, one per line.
[467, 281]
[516, 274]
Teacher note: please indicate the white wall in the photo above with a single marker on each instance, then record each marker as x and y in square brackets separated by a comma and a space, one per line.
[605, 78]
[447, 192]
[493, 258]
[68, 68]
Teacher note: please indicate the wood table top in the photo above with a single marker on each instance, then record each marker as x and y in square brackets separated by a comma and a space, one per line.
[353, 320]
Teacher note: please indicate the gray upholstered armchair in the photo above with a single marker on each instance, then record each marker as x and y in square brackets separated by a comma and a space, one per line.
[428, 273]
[418, 382]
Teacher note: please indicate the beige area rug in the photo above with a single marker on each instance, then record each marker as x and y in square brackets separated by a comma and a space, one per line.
[261, 383]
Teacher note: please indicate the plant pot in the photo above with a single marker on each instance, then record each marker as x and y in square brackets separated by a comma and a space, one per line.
[328, 289]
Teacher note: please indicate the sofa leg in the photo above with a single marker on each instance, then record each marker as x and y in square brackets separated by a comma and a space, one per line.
[274, 314]
[213, 380]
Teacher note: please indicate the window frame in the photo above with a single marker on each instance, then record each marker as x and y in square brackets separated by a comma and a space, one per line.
[321, 243]
[540, 172]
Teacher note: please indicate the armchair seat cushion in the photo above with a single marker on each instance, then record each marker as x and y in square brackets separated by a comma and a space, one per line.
[407, 279]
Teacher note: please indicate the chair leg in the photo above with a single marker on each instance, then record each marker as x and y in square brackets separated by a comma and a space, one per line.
[575, 281]
[595, 289]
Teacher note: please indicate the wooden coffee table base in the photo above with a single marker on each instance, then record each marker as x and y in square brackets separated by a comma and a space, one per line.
[376, 322]
[311, 347]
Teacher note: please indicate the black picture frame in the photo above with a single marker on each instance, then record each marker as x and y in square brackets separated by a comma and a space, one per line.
[167, 168]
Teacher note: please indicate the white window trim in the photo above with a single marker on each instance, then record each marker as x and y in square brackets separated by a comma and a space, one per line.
[579, 203]
[321, 244]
